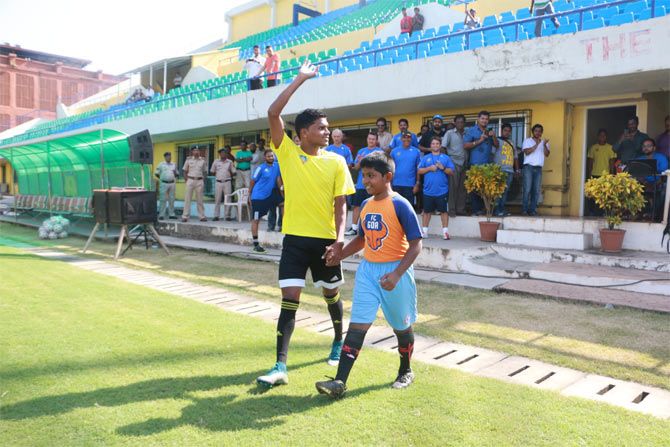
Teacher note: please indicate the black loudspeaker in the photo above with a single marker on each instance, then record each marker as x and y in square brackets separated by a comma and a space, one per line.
[141, 148]
[122, 207]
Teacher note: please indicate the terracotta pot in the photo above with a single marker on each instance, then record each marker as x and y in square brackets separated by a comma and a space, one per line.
[611, 240]
[488, 231]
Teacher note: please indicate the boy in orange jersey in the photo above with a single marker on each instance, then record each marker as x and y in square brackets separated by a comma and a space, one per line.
[390, 236]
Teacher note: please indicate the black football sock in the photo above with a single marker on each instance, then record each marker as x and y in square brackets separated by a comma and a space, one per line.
[353, 343]
[255, 239]
[336, 314]
[285, 326]
[405, 349]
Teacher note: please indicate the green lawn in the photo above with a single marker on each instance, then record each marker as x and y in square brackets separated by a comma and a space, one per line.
[90, 360]
[624, 343]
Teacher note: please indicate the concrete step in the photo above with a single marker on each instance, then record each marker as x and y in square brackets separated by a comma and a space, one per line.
[494, 265]
[546, 239]
[627, 259]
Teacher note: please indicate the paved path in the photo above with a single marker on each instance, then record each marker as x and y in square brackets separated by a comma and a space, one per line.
[470, 359]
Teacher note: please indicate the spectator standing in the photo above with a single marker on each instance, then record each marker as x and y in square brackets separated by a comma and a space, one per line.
[542, 8]
[629, 145]
[663, 140]
[438, 130]
[340, 148]
[403, 125]
[271, 66]
[224, 170]
[505, 157]
[176, 82]
[407, 157]
[453, 142]
[600, 157]
[535, 150]
[195, 171]
[166, 173]
[425, 128]
[254, 67]
[361, 193]
[417, 20]
[384, 137]
[229, 152]
[650, 152]
[243, 159]
[480, 141]
[265, 179]
[471, 20]
[258, 157]
[435, 168]
[405, 23]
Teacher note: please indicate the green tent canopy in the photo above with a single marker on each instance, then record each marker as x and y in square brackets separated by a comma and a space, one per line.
[75, 165]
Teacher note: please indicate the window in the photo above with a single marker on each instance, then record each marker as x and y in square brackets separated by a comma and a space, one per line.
[4, 121]
[48, 94]
[90, 90]
[22, 119]
[25, 91]
[206, 151]
[235, 139]
[4, 88]
[70, 92]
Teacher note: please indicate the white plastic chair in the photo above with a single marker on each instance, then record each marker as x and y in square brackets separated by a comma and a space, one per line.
[239, 200]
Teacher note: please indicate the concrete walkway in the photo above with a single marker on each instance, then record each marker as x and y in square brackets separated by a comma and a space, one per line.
[470, 359]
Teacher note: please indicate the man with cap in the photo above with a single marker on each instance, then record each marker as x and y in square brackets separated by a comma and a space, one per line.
[438, 130]
[166, 173]
[224, 170]
[195, 171]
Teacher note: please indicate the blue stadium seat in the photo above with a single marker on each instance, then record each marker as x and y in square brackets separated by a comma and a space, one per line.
[509, 32]
[507, 16]
[522, 13]
[429, 33]
[443, 31]
[562, 6]
[455, 44]
[606, 13]
[622, 19]
[584, 3]
[437, 50]
[425, 46]
[634, 7]
[403, 38]
[570, 28]
[490, 21]
[475, 40]
[594, 24]
[494, 37]
[400, 58]
[458, 26]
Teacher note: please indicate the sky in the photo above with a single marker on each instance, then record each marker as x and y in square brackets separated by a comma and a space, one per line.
[116, 36]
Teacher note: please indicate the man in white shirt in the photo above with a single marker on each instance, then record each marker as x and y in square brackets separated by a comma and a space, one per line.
[535, 150]
[254, 67]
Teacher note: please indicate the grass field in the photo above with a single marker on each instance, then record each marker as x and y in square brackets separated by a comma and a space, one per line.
[624, 343]
[90, 360]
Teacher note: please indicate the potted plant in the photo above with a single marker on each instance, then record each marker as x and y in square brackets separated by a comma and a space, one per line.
[489, 182]
[615, 194]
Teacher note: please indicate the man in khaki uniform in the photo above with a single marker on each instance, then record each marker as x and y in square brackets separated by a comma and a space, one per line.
[224, 170]
[195, 172]
[166, 173]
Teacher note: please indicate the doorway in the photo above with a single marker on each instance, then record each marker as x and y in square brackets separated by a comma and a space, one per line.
[613, 120]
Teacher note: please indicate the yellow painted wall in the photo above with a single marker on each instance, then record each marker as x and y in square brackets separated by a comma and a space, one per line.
[218, 62]
[9, 175]
[488, 7]
[250, 22]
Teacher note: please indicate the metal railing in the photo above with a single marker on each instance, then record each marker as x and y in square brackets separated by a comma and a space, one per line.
[214, 92]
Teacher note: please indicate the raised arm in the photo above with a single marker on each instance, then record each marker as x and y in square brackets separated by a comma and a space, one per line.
[306, 72]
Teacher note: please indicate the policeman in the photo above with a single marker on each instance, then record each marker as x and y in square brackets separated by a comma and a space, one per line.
[224, 170]
[166, 173]
[195, 171]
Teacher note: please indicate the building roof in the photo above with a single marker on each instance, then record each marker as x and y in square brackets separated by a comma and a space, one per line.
[41, 56]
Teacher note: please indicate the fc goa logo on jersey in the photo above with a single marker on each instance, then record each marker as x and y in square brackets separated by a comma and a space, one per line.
[376, 230]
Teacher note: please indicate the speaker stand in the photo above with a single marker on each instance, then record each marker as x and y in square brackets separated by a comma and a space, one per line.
[147, 231]
[91, 236]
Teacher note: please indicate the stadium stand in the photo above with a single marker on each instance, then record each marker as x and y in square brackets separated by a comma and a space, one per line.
[574, 16]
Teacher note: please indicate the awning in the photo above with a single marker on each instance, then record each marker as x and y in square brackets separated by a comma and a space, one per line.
[73, 166]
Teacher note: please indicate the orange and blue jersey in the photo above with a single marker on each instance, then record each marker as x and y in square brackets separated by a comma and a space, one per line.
[387, 226]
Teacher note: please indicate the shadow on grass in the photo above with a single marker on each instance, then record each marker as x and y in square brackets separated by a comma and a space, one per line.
[225, 413]
[149, 390]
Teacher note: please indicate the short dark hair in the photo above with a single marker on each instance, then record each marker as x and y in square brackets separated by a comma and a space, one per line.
[459, 116]
[403, 120]
[227, 147]
[649, 139]
[381, 119]
[483, 113]
[634, 118]
[602, 130]
[268, 46]
[436, 138]
[167, 153]
[538, 126]
[378, 161]
[223, 149]
[373, 133]
[256, 46]
[266, 151]
[506, 126]
[306, 118]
